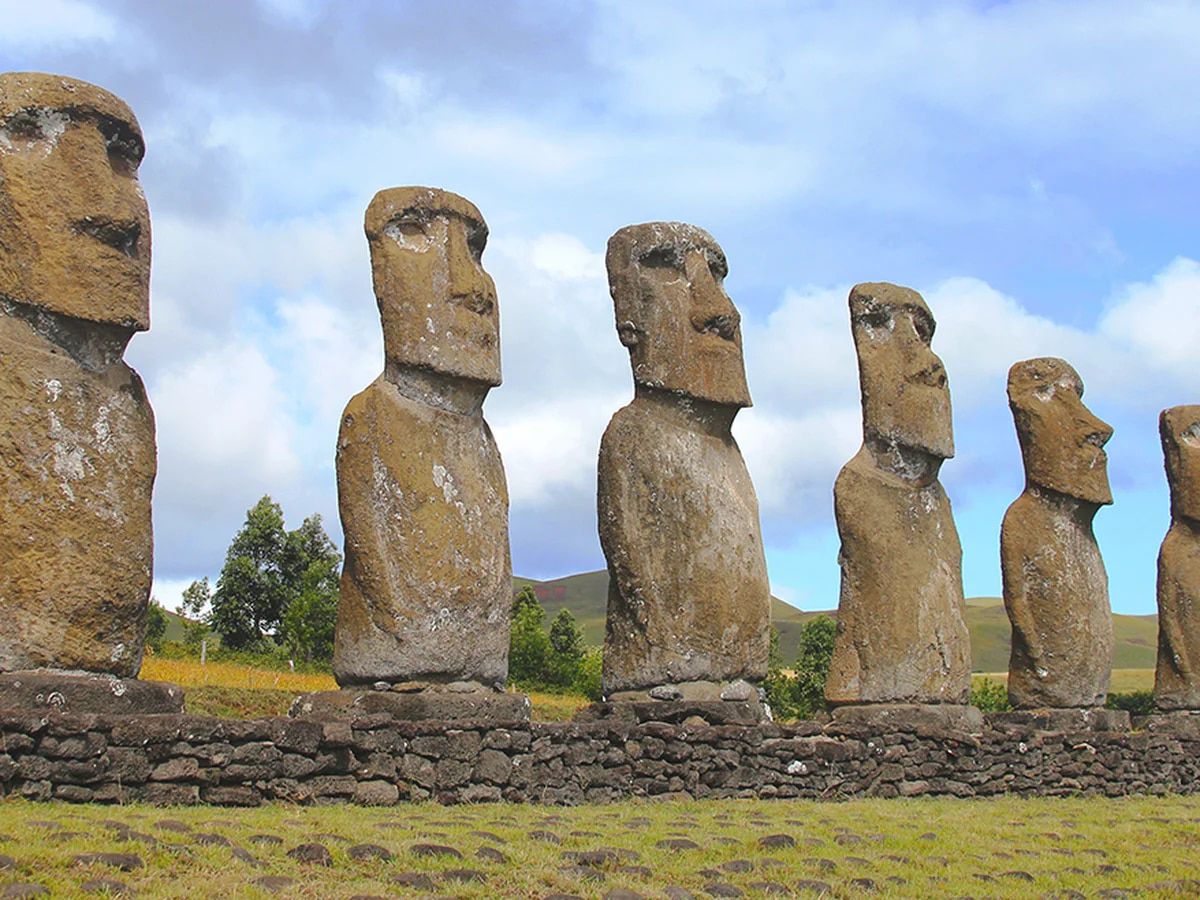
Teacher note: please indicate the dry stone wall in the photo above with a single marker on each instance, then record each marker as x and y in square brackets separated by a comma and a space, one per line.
[177, 759]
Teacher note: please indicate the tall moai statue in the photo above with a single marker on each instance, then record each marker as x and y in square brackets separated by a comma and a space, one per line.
[688, 597]
[902, 634]
[1055, 586]
[1177, 677]
[77, 442]
[427, 583]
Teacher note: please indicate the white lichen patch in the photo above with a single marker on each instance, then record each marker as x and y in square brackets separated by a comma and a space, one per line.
[70, 460]
[34, 129]
[53, 389]
[444, 480]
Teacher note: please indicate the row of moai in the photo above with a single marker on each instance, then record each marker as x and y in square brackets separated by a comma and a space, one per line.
[423, 619]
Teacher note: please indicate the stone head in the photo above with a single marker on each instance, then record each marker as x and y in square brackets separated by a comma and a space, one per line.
[905, 397]
[74, 226]
[1179, 428]
[682, 331]
[1062, 442]
[437, 304]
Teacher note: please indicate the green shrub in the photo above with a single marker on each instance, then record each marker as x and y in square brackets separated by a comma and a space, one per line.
[990, 696]
[800, 694]
[1138, 703]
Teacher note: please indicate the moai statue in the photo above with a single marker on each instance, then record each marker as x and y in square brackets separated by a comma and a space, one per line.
[902, 634]
[688, 598]
[1055, 586]
[77, 442]
[427, 584]
[1177, 678]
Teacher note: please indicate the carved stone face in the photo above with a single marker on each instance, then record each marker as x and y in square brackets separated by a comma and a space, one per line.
[1179, 428]
[905, 397]
[437, 304]
[74, 226]
[681, 328]
[1062, 442]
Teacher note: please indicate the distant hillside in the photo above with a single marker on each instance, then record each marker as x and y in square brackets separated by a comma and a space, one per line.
[586, 595]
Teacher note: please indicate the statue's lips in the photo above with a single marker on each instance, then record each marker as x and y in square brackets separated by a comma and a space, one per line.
[121, 236]
[724, 327]
[480, 304]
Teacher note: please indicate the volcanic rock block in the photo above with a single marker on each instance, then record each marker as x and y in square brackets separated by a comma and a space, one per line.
[1177, 676]
[902, 636]
[1055, 586]
[77, 441]
[426, 587]
[688, 592]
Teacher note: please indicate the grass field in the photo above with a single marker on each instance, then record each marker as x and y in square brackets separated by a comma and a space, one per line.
[242, 692]
[894, 848]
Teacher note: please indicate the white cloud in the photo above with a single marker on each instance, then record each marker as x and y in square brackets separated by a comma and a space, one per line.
[49, 22]
[1159, 321]
[223, 430]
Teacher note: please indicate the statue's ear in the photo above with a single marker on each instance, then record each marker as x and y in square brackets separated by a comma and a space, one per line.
[629, 334]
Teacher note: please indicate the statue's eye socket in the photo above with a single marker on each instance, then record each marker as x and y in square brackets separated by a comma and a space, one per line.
[412, 233]
[661, 258]
[924, 327]
[880, 319]
[477, 240]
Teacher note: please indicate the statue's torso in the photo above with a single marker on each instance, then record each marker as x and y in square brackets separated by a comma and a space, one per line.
[902, 634]
[77, 467]
[427, 581]
[1177, 677]
[1055, 585]
[689, 598]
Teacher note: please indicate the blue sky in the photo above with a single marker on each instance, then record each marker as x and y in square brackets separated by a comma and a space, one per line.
[1030, 167]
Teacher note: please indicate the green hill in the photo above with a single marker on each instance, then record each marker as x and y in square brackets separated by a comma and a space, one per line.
[586, 595]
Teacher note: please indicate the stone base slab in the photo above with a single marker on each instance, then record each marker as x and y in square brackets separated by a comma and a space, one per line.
[1182, 723]
[1065, 720]
[477, 706]
[675, 712]
[924, 717]
[84, 692]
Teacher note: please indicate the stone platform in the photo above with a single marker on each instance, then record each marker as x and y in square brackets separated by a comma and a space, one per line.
[446, 705]
[687, 703]
[1066, 720]
[87, 692]
[911, 717]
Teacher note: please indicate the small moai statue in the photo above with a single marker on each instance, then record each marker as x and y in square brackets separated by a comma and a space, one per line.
[426, 592]
[688, 598]
[77, 443]
[901, 634]
[1177, 677]
[1055, 585]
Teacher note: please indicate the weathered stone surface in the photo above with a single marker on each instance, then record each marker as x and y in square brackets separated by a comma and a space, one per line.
[1067, 719]
[688, 595]
[1055, 586]
[902, 636]
[106, 694]
[426, 586]
[484, 706]
[78, 431]
[1177, 676]
[925, 718]
[712, 712]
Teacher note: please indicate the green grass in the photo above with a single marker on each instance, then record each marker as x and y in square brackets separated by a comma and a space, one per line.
[906, 848]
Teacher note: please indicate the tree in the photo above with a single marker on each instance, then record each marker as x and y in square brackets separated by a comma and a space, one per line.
[801, 693]
[194, 610]
[312, 566]
[566, 650]
[156, 625]
[529, 645]
[268, 570]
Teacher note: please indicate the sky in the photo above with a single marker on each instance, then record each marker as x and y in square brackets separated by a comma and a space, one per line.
[1032, 168]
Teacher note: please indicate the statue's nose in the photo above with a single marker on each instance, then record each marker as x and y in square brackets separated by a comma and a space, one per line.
[467, 280]
[712, 310]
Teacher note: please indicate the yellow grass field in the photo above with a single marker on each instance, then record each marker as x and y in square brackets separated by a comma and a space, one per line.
[1124, 681]
[189, 673]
